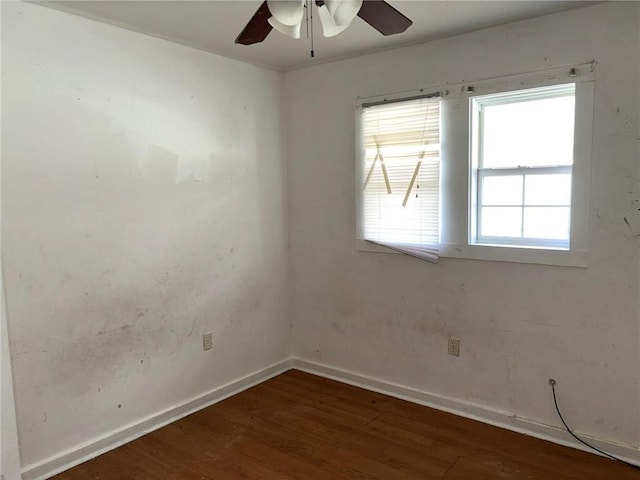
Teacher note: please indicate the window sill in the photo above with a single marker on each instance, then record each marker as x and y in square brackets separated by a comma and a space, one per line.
[536, 256]
[540, 256]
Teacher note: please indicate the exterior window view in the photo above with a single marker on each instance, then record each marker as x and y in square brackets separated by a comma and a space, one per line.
[523, 147]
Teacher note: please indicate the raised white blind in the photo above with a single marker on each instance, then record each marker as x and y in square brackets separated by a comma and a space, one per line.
[401, 175]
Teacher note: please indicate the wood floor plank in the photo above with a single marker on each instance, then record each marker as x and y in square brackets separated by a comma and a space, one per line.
[502, 468]
[299, 461]
[301, 426]
[368, 455]
[235, 464]
[362, 438]
[478, 441]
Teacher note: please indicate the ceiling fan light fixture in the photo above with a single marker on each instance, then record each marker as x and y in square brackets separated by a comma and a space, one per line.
[291, 31]
[286, 16]
[286, 12]
[343, 11]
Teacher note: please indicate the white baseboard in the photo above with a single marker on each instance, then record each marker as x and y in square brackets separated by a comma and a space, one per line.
[70, 458]
[469, 410]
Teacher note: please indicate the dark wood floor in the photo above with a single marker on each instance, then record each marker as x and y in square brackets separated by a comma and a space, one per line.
[299, 426]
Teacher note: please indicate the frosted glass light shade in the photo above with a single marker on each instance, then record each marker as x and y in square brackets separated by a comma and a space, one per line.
[335, 16]
[292, 31]
[329, 29]
[343, 11]
[286, 12]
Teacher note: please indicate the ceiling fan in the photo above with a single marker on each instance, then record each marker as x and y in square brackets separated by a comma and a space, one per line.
[286, 16]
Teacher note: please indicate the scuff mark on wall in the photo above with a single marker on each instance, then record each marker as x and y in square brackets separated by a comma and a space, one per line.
[626, 221]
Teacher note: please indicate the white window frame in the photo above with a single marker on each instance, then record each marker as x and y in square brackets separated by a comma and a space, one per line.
[457, 204]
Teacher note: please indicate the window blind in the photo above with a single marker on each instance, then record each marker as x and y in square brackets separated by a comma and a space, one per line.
[401, 187]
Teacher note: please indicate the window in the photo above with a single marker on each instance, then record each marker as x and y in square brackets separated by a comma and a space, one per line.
[400, 189]
[497, 169]
[522, 157]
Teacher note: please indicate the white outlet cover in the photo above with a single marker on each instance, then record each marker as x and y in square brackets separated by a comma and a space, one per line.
[207, 341]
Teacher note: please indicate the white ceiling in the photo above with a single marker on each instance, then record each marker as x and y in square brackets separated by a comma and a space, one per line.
[214, 25]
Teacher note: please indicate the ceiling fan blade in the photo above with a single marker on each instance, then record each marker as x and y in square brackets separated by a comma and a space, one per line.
[258, 27]
[383, 17]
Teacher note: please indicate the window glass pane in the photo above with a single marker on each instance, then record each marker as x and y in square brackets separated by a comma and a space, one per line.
[501, 222]
[554, 189]
[502, 190]
[528, 133]
[385, 216]
[547, 222]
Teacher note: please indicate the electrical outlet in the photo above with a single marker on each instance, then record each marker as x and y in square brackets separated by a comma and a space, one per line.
[453, 346]
[207, 341]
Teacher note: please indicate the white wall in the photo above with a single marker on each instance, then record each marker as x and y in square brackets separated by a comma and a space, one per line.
[388, 316]
[143, 197]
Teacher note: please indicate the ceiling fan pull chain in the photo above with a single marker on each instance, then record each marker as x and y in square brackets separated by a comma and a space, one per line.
[306, 15]
[311, 13]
